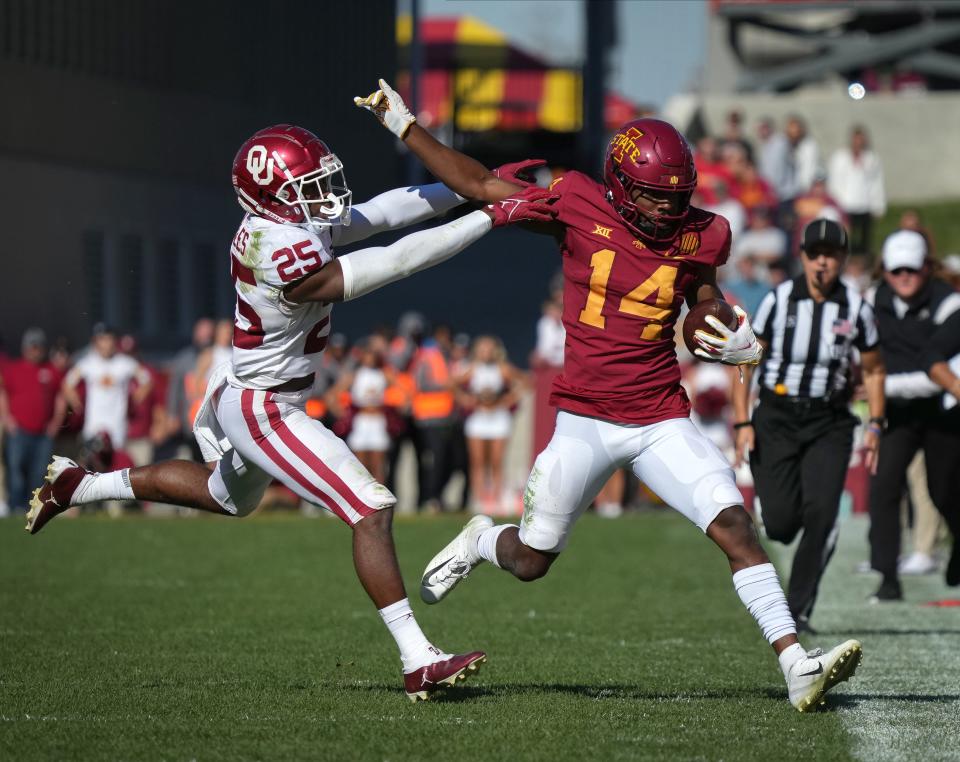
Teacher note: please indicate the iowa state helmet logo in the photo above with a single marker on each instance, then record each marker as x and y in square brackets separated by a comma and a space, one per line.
[624, 145]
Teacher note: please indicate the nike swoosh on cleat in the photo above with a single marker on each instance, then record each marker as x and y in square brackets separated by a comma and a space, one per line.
[430, 572]
[817, 671]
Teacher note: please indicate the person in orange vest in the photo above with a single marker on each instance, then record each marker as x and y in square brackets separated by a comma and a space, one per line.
[399, 396]
[432, 420]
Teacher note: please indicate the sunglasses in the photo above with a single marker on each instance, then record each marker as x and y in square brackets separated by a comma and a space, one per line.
[827, 251]
[904, 270]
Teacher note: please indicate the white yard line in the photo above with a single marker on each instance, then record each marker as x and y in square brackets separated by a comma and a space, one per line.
[904, 703]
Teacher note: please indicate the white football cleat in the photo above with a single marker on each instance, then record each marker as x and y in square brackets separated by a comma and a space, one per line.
[811, 677]
[454, 562]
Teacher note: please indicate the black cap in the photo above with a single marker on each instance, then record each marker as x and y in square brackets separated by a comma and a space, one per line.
[824, 232]
[100, 329]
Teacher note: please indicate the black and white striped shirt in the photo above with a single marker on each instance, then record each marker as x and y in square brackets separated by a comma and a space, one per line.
[809, 343]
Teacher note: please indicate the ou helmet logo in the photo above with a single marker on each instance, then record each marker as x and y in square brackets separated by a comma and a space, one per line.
[257, 163]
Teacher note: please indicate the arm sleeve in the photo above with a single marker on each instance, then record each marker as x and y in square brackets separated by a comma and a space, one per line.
[369, 269]
[396, 209]
[912, 385]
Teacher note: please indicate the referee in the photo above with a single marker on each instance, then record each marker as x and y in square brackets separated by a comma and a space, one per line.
[800, 436]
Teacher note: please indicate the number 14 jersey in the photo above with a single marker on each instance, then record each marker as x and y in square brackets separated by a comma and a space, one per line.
[275, 340]
[621, 300]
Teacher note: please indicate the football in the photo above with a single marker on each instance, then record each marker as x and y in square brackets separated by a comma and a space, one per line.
[696, 318]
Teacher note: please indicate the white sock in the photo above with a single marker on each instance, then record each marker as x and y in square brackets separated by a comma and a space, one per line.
[415, 650]
[790, 656]
[487, 542]
[114, 485]
[759, 589]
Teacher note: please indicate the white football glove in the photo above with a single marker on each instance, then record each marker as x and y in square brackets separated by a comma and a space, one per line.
[387, 105]
[739, 347]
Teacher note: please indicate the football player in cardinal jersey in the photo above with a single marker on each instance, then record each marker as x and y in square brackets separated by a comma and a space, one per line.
[252, 423]
[633, 249]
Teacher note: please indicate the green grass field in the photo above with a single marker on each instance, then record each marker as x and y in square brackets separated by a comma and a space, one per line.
[215, 639]
[939, 217]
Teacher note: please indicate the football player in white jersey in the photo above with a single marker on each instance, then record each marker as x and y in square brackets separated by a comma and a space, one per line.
[252, 422]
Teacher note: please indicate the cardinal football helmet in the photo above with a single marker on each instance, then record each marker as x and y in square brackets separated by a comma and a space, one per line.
[287, 174]
[649, 156]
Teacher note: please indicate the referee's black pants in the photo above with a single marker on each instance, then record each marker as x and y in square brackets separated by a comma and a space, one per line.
[911, 426]
[799, 464]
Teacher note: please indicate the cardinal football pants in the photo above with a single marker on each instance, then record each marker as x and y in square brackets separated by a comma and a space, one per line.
[676, 461]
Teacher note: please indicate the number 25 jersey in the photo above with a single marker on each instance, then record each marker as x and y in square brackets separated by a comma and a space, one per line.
[275, 340]
[621, 300]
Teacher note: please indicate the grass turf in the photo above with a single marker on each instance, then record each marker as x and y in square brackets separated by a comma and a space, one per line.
[218, 639]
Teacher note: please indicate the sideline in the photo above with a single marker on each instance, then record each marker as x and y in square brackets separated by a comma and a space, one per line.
[904, 703]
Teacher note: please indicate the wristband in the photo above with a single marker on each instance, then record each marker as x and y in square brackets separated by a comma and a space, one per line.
[879, 422]
[742, 424]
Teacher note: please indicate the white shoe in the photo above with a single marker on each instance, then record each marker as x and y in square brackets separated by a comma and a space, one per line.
[917, 563]
[609, 510]
[454, 562]
[811, 677]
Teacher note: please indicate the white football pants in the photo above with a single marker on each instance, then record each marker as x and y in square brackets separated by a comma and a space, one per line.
[272, 437]
[676, 461]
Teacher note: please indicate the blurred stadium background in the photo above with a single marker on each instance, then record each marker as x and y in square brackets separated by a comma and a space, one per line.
[122, 119]
[120, 122]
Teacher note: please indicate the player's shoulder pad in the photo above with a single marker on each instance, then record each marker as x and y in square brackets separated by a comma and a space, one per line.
[712, 235]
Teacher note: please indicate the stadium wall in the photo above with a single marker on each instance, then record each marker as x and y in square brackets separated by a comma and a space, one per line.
[913, 134]
[120, 124]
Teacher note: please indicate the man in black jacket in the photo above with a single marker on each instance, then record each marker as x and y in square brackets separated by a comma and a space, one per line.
[919, 319]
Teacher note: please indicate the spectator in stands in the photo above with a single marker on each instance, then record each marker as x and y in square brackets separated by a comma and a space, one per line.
[433, 418]
[858, 272]
[708, 386]
[753, 191]
[919, 318]
[551, 335]
[855, 180]
[815, 204]
[488, 388]
[107, 376]
[910, 219]
[144, 413]
[733, 135]
[219, 352]
[805, 158]
[773, 157]
[401, 352]
[367, 434]
[726, 205]
[801, 167]
[950, 270]
[179, 403]
[711, 169]
[546, 362]
[31, 411]
[750, 283]
[762, 240]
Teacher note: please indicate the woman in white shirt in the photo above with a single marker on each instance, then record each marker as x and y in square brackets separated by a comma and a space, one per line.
[367, 384]
[488, 388]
